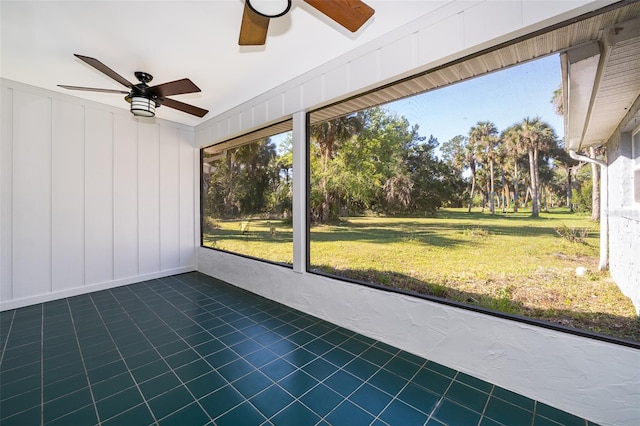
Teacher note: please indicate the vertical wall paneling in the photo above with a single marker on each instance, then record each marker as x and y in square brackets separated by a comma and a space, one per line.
[189, 189]
[397, 57]
[98, 196]
[125, 197]
[246, 120]
[81, 206]
[169, 198]
[292, 100]
[497, 18]
[31, 214]
[67, 198]
[149, 196]
[336, 82]
[429, 51]
[259, 113]
[6, 178]
[363, 69]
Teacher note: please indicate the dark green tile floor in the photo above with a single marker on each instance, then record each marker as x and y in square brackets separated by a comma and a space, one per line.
[191, 350]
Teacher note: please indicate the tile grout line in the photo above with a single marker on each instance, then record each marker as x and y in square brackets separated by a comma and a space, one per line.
[295, 399]
[337, 367]
[239, 356]
[486, 404]
[125, 363]
[6, 342]
[453, 379]
[197, 400]
[42, 364]
[395, 397]
[84, 366]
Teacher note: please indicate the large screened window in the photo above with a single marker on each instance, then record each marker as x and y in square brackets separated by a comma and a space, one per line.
[246, 195]
[464, 194]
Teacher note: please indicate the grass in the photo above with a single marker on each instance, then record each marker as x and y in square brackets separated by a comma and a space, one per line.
[507, 262]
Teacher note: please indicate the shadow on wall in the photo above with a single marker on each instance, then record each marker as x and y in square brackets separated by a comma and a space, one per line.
[499, 303]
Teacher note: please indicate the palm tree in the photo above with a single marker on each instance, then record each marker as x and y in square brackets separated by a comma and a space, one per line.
[329, 134]
[484, 135]
[536, 136]
[513, 147]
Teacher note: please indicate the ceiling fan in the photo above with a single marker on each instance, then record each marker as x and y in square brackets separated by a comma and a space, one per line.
[351, 14]
[145, 99]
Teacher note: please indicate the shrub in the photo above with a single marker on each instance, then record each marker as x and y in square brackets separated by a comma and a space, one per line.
[572, 233]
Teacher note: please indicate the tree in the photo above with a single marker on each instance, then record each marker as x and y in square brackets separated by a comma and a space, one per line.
[558, 100]
[329, 135]
[484, 136]
[470, 158]
[514, 149]
[536, 137]
[453, 153]
[435, 182]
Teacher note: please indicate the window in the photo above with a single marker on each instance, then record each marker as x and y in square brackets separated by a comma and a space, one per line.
[246, 195]
[434, 195]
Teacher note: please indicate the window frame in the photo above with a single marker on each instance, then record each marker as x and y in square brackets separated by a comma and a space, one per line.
[277, 128]
[370, 99]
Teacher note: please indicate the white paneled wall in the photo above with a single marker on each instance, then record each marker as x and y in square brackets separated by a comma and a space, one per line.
[91, 197]
[592, 379]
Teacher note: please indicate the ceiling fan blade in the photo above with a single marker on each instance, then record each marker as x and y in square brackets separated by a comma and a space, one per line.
[351, 14]
[178, 87]
[253, 31]
[181, 106]
[104, 69]
[93, 89]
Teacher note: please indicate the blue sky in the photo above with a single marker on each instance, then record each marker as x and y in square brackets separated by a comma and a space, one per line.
[503, 97]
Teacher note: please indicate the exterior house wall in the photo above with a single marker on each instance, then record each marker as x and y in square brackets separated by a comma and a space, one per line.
[90, 197]
[589, 378]
[623, 211]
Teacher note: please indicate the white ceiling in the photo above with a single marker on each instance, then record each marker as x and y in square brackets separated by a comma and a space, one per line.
[177, 39]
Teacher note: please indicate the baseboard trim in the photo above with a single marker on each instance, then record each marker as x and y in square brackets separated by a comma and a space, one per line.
[76, 291]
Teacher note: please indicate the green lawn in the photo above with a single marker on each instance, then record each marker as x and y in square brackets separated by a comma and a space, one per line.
[507, 262]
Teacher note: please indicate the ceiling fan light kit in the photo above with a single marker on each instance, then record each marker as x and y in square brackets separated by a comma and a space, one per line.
[351, 14]
[143, 107]
[270, 8]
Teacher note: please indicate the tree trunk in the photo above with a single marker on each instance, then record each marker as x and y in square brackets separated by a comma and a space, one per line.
[569, 203]
[515, 186]
[505, 191]
[492, 192]
[473, 187]
[533, 169]
[595, 194]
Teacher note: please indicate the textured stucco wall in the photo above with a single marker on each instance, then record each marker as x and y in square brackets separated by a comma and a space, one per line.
[592, 379]
[624, 213]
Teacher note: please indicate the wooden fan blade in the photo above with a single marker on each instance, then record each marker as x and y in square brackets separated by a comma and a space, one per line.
[351, 14]
[178, 87]
[93, 89]
[181, 106]
[104, 69]
[253, 31]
